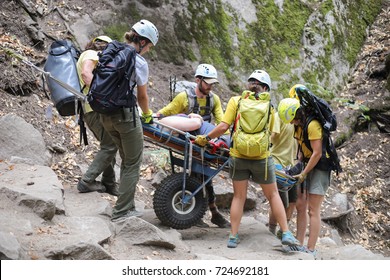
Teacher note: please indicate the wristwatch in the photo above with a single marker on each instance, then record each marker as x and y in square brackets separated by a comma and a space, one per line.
[208, 138]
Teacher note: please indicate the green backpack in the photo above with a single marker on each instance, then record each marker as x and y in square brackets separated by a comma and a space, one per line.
[250, 134]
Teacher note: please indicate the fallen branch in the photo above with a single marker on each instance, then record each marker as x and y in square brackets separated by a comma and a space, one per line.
[64, 17]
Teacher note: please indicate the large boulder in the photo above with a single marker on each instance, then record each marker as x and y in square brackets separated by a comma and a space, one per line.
[21, 142]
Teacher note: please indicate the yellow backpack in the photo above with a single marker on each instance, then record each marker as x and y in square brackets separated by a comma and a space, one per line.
[250, 135]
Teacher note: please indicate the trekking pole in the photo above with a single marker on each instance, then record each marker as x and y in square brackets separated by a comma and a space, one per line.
[172, 86]
[47, 75]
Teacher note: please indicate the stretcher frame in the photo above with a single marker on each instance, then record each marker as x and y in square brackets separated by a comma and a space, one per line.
[192, 159]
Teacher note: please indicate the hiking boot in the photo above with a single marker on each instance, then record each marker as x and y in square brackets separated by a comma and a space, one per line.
[128, 214]
[94, 186]
[112, 188]
[201, 224]
[233, 241]
[219, 220]
[289, 239]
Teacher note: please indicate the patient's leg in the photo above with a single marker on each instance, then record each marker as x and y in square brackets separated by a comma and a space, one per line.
[182, 123]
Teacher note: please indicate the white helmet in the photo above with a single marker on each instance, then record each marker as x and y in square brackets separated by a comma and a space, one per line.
[262, 77]
[103, 38]
[208, 72]
[146, 29]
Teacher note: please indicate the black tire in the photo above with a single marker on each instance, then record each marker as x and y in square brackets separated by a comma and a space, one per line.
[167, 202]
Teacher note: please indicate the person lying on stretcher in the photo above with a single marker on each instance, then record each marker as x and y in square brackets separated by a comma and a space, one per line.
[194, 124]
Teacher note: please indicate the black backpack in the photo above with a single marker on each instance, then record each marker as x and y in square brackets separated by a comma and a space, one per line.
[317, 108]
[110, 88]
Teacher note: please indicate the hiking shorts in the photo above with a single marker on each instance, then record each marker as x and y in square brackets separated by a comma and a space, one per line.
[244, 169]
[289, 197]
[318, 181]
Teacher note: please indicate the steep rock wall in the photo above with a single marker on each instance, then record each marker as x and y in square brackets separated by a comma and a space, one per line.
[314, 42]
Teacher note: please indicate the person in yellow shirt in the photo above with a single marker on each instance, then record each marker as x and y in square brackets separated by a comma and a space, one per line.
[259, 167]
[200, 100]
[315, 180]
[104, 160]
[283, 151]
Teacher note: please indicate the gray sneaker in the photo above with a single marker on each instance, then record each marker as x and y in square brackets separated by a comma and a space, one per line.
[94, 186]
[130, 213]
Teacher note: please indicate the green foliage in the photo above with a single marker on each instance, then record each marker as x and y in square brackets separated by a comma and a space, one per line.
[320, 91]
[129, 16]
[211, 32]
[116, 31]
[272, 42]
[273, 38]
[361, 14]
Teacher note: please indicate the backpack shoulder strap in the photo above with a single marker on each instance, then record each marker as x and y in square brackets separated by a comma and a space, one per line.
[234, 126]
[207, 109]
[306, 133]
[325, 135]
[193, 105]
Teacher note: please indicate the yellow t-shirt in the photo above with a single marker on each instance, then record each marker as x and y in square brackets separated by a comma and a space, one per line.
[284, 146]
[314, 132]
[230, 117]
[86, 55]
[179, 105]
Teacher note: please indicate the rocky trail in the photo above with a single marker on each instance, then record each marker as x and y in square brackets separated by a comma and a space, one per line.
[42, 216]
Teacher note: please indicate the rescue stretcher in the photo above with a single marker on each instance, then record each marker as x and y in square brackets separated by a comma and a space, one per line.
[181, 200]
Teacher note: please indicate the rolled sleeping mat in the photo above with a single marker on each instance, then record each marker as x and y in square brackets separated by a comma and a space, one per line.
[284, 181]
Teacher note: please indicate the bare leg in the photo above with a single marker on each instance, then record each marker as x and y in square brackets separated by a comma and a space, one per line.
[271, 193]
[315, 202]
[290, 211]
[301, 216]
[237, 207]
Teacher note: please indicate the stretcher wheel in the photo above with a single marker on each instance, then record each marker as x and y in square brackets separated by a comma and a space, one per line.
[168, 202]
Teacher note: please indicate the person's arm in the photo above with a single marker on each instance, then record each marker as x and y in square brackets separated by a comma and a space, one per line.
[87, 71]
[316, 145]
[143, 98]
[227, 120]
[176, 106]
[218, 130]
[315, 137]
